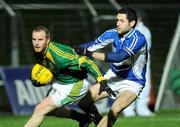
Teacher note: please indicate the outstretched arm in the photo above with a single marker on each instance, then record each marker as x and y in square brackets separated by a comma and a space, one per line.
[108, 57]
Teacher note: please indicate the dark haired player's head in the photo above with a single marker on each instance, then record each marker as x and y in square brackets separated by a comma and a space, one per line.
[126, 20]
[130, 14]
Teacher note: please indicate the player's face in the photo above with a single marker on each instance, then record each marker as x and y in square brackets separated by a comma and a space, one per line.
[39, 41]
[123, 25]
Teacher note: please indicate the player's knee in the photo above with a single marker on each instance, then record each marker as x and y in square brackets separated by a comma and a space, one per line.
[113, 113]
[112, 116]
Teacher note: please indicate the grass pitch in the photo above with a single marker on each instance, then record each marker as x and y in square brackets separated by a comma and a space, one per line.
[165, 118]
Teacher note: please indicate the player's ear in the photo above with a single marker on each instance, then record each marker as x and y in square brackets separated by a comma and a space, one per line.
[132, 23]
[48, 40]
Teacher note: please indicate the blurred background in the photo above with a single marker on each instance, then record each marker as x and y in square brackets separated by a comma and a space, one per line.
[73, 22]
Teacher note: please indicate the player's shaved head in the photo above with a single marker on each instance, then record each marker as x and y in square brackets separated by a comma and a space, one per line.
[42, 28]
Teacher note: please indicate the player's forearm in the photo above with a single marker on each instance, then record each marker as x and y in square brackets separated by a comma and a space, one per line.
[98, 56]
[94, 70]
[111, 57]
[90, 66]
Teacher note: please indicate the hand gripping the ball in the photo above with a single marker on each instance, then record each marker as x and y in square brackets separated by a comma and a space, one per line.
[40, 75]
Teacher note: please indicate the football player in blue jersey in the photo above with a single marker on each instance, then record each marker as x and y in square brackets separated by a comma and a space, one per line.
[140, 106]
[126, 75]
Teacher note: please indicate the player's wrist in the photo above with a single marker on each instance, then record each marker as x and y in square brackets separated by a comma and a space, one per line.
[100, 79]
[106, 57]
[89, 54]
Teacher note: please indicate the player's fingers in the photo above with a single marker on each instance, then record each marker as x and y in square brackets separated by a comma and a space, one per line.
[112, 92]
[109, 93]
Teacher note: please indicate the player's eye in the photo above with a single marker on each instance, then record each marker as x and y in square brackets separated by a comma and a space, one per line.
[40, 39]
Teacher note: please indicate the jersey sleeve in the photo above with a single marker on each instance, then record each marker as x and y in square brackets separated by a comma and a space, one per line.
[136, 44]
[116, 57]
[100, 42]
[91, 67]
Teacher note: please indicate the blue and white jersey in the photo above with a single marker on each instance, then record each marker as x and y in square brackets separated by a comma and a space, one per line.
[134, 43]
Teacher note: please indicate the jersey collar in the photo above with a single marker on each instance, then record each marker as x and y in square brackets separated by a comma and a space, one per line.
[130, 33]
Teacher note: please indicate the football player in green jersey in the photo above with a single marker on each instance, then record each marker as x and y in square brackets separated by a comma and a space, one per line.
[70, 72]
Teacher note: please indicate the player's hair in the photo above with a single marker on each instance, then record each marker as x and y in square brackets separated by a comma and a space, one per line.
[130, 13]
[42, 28]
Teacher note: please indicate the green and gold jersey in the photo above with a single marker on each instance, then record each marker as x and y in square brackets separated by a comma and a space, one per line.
[67, 66]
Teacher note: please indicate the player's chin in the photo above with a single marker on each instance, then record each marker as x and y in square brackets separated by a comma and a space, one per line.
[119, 31]
[38, 50]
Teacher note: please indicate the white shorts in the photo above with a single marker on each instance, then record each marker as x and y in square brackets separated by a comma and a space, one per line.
[118, 84]
[70, 93]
